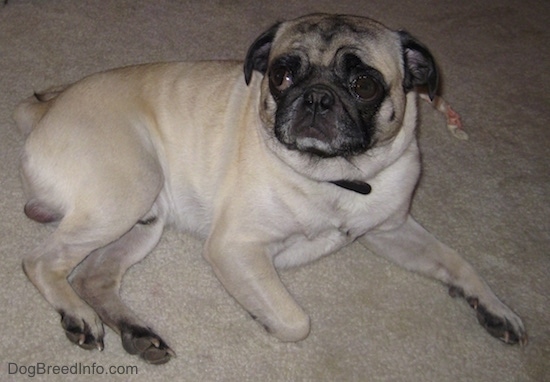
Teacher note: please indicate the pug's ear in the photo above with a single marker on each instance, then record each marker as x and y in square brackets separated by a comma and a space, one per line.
[420, 67]
[258, 53]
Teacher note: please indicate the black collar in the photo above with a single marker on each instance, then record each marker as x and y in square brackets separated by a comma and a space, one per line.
[362, 188]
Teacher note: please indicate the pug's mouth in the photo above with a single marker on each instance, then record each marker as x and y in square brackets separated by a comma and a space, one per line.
[325, 136]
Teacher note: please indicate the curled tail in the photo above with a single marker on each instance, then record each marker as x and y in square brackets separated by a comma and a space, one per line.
[31, 110]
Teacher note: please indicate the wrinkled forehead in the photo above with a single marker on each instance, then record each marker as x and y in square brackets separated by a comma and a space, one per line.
[324, 39]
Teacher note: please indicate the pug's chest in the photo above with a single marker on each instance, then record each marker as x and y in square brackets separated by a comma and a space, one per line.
[321, 228]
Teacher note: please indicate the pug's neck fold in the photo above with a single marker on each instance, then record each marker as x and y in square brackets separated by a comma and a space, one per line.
[362, 188]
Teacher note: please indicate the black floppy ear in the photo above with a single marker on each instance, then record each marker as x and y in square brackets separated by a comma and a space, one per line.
[420, 68]
[258, 53]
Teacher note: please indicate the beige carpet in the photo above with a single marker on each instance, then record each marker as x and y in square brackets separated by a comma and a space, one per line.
[371, 321]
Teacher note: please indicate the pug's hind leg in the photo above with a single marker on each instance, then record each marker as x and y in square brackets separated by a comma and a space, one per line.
[414, 248]
[49, 265]
[97, 280]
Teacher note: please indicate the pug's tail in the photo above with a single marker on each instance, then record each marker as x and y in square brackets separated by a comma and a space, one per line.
[31, 110]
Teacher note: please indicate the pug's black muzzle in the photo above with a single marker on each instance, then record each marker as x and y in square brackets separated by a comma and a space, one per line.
[318, 121]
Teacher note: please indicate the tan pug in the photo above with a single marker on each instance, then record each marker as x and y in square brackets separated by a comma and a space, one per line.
[309, 149]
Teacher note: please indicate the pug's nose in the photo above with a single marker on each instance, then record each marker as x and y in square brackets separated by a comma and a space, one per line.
[319, 98]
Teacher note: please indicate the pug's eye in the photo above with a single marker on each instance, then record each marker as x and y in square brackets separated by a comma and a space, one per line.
[281, 78]
[366, 88]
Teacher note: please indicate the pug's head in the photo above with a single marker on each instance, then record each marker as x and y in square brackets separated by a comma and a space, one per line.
[334, 85]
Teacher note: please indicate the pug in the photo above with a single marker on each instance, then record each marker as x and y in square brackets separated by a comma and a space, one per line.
[311, 147]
